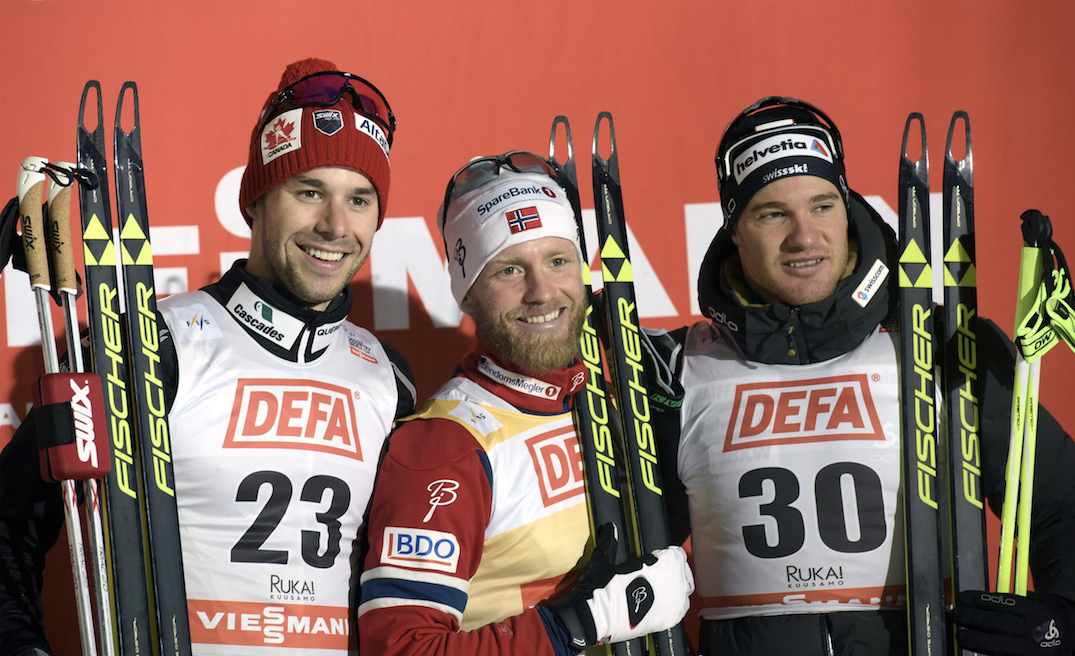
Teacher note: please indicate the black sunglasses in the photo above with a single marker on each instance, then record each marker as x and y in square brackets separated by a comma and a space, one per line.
[484, 170]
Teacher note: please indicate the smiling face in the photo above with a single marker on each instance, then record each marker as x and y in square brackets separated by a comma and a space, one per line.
[528, 304]
[792, 240]
[312, 232]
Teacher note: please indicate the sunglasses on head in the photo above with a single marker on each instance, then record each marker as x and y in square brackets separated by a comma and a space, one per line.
[484, 170]
[325, 89]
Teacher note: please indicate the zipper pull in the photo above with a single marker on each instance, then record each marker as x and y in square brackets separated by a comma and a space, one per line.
[791, 331]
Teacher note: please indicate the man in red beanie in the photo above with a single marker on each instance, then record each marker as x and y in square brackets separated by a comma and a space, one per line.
[321, 132]
[278, 405]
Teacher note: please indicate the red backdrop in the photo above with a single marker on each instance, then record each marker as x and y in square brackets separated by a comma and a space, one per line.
[479, 77]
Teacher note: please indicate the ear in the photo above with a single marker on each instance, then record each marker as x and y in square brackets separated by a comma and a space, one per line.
[253, 212]
[466, 305]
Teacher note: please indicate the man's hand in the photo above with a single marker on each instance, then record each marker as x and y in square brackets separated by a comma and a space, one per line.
[614, 603]
[996, 623]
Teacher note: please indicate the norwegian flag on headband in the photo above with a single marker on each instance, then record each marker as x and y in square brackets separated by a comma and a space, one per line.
[523, 219]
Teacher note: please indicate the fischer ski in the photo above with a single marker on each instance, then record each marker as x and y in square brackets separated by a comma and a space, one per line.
[66, 283]
[596, 426]
[960, 373]
[151, 422]
[628, 376]
[109, 358]
[918, 414]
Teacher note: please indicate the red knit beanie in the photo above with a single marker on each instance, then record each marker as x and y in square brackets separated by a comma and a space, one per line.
[298, 140]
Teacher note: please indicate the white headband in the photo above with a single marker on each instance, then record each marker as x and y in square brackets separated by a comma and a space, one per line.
[512, 209]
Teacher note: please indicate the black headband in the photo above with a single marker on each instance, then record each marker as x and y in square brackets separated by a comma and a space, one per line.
[775, 138]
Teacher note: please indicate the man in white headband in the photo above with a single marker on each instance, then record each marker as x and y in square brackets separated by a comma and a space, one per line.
[479, 518]
[532, 320]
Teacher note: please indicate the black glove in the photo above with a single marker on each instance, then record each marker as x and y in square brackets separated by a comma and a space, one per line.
[615, 603]
[997, 623]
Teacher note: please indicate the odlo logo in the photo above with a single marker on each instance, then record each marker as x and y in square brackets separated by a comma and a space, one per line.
[720, 317]
[1051, 637]
[639, 600]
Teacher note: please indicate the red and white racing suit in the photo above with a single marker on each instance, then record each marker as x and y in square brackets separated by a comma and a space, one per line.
[479, 514]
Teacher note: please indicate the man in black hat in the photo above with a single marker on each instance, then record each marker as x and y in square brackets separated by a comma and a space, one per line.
[786, 449]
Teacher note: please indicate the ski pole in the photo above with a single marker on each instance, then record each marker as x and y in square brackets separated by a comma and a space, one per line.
[1023, 416]
[61, 252]
[31, 183]
[1043, 319]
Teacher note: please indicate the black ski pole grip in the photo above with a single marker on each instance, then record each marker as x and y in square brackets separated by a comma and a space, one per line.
[1037, 229]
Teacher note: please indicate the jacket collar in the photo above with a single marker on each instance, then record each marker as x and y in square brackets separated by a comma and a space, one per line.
[549, 394]
[281, 327]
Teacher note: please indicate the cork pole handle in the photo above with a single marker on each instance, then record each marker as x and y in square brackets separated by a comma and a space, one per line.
[31, 187]
[60, 246]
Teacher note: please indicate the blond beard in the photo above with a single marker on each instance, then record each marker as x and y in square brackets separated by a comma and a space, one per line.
[537, 356]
